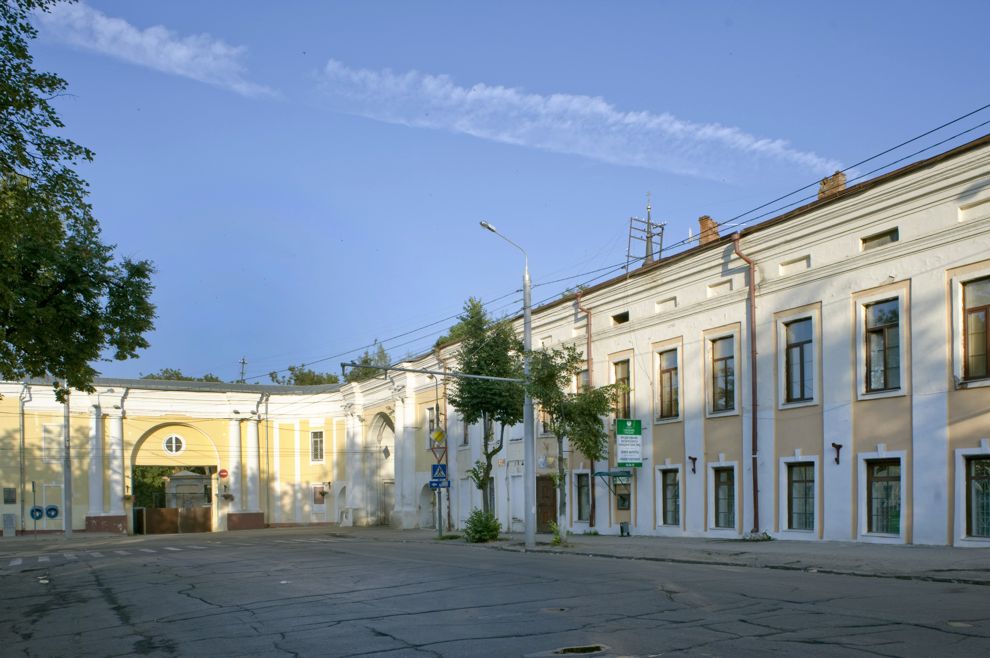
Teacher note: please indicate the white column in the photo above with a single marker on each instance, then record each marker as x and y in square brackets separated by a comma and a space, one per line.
[115, 453]
[95, 461]
[694, 401]
[234, 463]
[838, 381]
[252, 458]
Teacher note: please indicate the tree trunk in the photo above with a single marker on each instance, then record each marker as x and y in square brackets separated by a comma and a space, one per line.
[561, 484]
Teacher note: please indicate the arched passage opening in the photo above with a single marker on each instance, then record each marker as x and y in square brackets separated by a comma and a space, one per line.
[172, 480]
[380, 468]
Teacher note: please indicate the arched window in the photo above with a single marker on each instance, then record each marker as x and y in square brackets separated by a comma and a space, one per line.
[173, 444]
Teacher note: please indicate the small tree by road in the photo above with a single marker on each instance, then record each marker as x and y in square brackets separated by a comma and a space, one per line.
[575, 416]
[492, 349]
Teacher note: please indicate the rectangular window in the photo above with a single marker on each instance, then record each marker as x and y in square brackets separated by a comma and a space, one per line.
[316, 446]
[725, 497]
[671, 497]
[883, 352]
[319, 494]
[978, 497]
[622, 495]
[723, 374]
[465, 432]
[9, 496]
[584, 496]
[544, 422]
[622, 404]
[431, 420]
[801, 496]
[976, 300]
[668, 404]
[799, 360]
[582, 381]
[883, 484]
[879, 239]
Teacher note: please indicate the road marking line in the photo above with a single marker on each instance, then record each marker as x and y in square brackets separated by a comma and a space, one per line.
[43, 558]
[197, 547]
[70, 556]
[121, 552]
[96, 554]
[147, 550]
[170, 548]
[16, 561]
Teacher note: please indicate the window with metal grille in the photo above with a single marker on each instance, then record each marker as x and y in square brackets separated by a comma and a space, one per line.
[316, 446]
[978, 497]
[976, 300]
[725, 497]
[883, 482]
[668, 404]
[799, 360]
[883, 352]
[723, 374]
[671, 497]
[801, 496]
[583, 481]
[622, 496]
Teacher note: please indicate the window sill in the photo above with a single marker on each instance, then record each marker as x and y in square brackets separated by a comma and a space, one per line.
[667, 421]
[797, 404]
[721, 414]
[972, 383]
[878, 395]
[881, 538]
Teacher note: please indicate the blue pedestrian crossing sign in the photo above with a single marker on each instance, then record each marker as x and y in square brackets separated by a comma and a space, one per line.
[51, 511]
[438, 472]
[37, 513]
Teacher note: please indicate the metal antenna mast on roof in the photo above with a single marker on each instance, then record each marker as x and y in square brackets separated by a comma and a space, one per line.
[645, 231]
[243, 365]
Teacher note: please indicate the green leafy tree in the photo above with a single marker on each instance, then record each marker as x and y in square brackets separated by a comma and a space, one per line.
[174, 374]
[377, 357]
[575, 416]
[64, 298]
[302, 376]
[492, 349]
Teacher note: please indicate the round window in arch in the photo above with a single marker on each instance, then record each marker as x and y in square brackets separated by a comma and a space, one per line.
[174, 444]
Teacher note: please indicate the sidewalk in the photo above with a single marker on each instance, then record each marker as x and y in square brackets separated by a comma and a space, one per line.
[932, 563]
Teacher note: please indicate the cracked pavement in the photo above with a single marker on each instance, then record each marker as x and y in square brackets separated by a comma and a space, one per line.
[314, 592]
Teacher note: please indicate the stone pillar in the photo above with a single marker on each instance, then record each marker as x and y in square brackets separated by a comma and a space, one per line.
[234, 465]
[253, 466]
[115, 465]
[96, 461]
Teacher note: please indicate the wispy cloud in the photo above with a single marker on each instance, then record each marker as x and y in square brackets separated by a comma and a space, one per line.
[199, 57]
[563, 123]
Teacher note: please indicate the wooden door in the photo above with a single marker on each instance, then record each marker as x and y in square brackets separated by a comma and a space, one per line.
[546, 503]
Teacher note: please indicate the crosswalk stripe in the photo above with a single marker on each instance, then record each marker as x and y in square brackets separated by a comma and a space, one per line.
[197, 547]
[43, 558]
[96, 554]
[170, 548]
[70, 556]
[147, 550]
[121, 552]
[16, 561]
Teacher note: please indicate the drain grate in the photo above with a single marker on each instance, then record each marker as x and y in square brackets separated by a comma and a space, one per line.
[590, 648]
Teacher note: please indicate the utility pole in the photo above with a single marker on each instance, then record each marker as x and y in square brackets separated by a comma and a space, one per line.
[66, 467]
[243, 366]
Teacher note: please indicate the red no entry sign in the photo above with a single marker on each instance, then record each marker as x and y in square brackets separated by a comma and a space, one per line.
[223, 473]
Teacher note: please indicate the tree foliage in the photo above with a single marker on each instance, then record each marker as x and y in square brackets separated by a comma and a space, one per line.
[377, 357]
[64, 298]
[176, 375]
[492, 349]
[575, 416]
[302, 376]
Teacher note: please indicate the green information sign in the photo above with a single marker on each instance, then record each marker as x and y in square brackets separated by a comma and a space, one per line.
[625, 427]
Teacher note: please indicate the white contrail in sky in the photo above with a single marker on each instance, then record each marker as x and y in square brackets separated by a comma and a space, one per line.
[588, 126]
[200, 57]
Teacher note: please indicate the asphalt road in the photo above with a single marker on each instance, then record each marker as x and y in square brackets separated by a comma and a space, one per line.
[296, 592]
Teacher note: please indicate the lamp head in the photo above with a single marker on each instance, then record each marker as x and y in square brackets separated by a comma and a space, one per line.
[488, 226]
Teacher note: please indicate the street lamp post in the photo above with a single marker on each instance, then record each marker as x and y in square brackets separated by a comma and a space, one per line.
[529, 439]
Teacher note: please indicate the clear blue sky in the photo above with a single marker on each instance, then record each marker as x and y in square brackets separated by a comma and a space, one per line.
[309, 176]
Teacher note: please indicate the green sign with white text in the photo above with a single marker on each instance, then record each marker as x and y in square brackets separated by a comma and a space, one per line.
[628, 443]
[625, 427]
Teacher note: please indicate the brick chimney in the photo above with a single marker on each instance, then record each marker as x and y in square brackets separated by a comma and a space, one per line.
[831, 184]
[708, 230]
